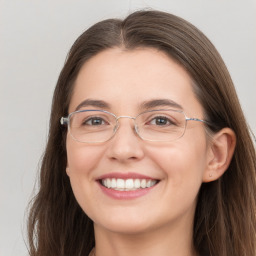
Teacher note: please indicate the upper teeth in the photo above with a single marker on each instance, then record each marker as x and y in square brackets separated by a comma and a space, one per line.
[128, 184]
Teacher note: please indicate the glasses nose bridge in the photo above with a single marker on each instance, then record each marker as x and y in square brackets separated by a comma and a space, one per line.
[130, 117]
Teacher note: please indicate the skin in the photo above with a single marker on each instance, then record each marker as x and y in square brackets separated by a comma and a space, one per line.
[160, 222]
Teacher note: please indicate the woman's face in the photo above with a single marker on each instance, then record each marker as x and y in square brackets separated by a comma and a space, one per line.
[122, 81]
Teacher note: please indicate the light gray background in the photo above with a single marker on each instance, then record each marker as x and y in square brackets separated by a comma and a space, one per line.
[35, 37]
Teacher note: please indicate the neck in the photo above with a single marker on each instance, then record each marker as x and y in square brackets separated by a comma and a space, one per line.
[157, 242]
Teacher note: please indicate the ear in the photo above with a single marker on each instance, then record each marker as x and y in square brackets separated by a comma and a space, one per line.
[67, 170]
[220, 152]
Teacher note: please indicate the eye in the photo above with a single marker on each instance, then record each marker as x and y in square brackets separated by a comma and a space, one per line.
[160, 120]
[95, 121]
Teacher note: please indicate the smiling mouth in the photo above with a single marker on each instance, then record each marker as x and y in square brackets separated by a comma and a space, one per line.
[127, 184]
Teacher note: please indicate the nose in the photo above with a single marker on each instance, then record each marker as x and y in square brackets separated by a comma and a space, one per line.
[126, 144]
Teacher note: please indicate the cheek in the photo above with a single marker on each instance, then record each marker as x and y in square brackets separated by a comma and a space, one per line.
[183, 162]
[81, 159]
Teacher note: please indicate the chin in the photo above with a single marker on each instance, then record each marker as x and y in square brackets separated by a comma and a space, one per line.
[125, 228]
[124, 224]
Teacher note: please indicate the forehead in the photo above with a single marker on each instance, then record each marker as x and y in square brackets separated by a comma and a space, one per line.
[126, 78]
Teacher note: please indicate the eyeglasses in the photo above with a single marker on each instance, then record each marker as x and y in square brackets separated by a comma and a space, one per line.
[95, 126]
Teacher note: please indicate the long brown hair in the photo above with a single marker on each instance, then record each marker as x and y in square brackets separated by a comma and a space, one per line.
[225, 223]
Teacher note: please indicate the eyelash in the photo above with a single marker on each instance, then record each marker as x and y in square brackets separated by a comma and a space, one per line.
[170, 122]
[91, 119]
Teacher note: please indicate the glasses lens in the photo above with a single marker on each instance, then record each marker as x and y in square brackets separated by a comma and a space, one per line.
[161, 125]
[92, 126]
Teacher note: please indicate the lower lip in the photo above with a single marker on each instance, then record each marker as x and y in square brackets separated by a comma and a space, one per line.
[125, 195]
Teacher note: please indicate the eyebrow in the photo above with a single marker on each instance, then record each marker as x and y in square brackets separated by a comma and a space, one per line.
[160, 102]
[93, 103]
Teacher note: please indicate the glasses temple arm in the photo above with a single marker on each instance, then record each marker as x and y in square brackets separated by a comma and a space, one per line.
[197, 119]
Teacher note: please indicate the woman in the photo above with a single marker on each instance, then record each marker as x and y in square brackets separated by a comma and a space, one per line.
[149, 152]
